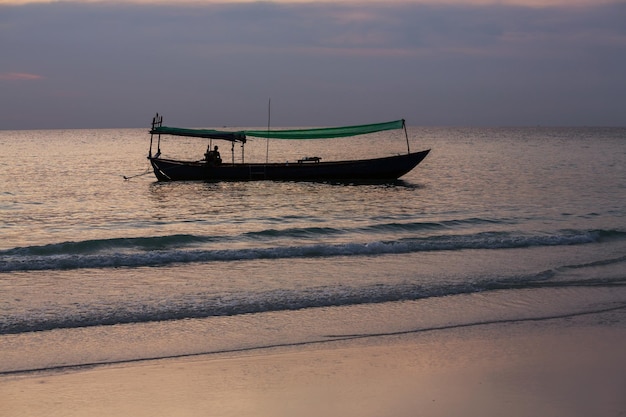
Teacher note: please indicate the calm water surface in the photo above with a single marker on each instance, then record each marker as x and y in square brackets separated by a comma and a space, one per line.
[495, 224]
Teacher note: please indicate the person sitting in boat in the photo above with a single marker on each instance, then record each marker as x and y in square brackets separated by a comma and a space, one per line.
[213, 156]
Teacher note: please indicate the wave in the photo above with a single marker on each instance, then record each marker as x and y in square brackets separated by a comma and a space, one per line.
[99, 245]
[177, 249]
[184, 240]
[297, 232]
[234, 304]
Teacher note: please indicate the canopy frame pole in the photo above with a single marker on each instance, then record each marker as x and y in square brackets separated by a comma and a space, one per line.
[160, 123]
[157, 121]
[408, 149]
[151, 138]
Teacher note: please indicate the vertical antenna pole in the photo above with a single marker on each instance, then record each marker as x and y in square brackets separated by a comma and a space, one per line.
[269, 113]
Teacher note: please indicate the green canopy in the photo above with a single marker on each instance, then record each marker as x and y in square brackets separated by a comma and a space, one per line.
[318, 133]
[199, 133]
[327, 132]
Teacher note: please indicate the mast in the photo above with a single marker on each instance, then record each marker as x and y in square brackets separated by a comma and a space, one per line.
[267, 146]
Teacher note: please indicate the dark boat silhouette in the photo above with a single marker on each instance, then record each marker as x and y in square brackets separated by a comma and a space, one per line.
[212, 168]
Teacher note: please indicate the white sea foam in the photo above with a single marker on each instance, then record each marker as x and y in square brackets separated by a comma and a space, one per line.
[74, 255]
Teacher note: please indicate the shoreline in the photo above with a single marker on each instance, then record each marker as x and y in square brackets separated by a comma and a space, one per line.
[331, 339]
[567, 366]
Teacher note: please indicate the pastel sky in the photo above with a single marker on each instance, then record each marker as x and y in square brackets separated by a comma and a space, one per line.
[95, 64]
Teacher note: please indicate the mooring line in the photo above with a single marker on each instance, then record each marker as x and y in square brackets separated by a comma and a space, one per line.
[148, 170]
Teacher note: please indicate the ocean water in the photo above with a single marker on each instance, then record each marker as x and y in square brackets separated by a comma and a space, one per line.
[495, 225]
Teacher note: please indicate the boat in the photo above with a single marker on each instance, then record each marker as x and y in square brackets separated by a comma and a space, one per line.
[213, 168]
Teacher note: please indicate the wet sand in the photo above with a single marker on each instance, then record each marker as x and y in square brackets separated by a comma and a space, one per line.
[560, 367]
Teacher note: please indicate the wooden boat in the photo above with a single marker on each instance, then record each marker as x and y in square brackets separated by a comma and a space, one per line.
[212, 168]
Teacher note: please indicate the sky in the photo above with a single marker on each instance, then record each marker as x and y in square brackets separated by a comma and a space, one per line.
[114, 64]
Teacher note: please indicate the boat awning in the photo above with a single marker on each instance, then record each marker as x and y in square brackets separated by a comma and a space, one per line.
[200, 133]
[316, 133]
[326, 132]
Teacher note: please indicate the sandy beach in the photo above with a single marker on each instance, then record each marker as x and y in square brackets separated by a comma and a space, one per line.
[560, 367]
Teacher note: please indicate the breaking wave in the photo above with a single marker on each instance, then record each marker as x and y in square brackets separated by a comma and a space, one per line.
[208, 305]
[184, 248]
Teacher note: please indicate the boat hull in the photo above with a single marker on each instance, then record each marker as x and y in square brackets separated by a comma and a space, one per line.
[378, 169]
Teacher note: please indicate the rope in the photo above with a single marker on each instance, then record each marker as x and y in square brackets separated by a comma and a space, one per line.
[147, 171]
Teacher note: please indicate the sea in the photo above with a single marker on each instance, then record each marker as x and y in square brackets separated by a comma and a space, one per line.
[101, 264]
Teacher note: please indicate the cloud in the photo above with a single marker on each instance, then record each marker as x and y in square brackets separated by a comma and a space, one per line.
[321, 63]
[19, 76]
[525, 3]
